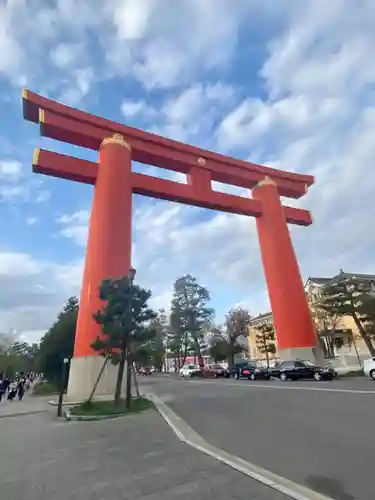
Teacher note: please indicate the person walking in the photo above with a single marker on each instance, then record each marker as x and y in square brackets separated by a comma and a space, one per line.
[12, 391]
[3, 388]
[21, 389]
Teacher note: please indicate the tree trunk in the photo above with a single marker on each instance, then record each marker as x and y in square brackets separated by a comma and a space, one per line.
[198, 352]
[231, 360]
[98, 378]
[184, 356]
[128, 396]
[135, 381]
[120, 376]
[323, 345]
[364, 334]
[266, 351]
[356, 350]
[327, 344]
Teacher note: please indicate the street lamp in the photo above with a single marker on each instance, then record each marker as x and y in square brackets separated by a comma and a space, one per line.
[129, 362]
[62, 386]
[131, 274]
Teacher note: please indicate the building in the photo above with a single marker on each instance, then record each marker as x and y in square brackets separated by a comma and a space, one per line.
[344, 339]
[252, 344]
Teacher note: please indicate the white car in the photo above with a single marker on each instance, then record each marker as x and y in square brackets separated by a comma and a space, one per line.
[369, 367]
[189, 370]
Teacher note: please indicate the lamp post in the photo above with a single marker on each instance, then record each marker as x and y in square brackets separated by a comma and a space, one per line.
[62, 386]
[128, 394]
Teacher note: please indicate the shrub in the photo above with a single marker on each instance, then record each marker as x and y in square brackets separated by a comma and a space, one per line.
[45, 388]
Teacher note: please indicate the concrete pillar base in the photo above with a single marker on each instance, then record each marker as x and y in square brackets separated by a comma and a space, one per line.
[313, 354]
[83, 374]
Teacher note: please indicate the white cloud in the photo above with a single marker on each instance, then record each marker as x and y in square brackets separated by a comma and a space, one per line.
[10, 169]
[318, 118]
[65, 55]
[138, 109]
[131, 18]
[311, 110]
[162, 44]
[75, 226]
[34, 292]
[31, 221]
[17, 185]
[12, 186]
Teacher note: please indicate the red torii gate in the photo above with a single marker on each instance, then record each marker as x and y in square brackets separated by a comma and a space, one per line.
[108, 251]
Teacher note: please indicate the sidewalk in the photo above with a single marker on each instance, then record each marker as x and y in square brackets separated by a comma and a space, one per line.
[29, 405]
[135, 457]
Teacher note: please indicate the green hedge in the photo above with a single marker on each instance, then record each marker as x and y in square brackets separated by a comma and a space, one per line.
[45, 389]
[109, 408]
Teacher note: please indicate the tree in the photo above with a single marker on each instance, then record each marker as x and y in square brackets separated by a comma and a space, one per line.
[178, 339]
[160, 328]
[265, 340]
[7, 340]
[326, 324]
[19, 357]
[152, 351]
[225, 343]
[26, 354]
[351, 296]
[189, 315]
[58, 342]
[123, 320]
[219, 350]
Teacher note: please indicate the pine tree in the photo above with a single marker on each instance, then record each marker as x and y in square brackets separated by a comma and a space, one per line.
[189, 315]
[351, 296]
[152, 351]
[124, 322]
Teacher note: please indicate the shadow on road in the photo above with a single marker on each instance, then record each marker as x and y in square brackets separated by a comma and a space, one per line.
[328, 486]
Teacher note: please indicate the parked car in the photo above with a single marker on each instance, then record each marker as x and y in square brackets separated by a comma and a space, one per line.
[145, 370]
[295, 370]
[190, 371]
[369, 367]
[215, 371]
[250, 370]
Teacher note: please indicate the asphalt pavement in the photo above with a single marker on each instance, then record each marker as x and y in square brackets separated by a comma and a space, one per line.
[318, 434]
[137, 457]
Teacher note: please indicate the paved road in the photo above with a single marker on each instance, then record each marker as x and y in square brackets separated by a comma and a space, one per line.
[316, 434]
[136, 457]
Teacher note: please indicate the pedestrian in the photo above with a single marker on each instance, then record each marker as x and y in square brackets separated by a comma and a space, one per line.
[12, 391]
[2, 389]
[21, 389]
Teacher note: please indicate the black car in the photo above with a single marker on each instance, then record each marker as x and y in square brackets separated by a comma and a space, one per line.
[251, 371]
[295, 370]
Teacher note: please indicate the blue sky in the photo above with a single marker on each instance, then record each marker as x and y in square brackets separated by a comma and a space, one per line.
[285, 83]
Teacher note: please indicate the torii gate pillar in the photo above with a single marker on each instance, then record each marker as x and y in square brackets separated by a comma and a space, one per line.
[108, 255]
[295, 330]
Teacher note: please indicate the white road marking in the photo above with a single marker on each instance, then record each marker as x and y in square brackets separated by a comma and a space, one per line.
[271, 385]
[186, 434]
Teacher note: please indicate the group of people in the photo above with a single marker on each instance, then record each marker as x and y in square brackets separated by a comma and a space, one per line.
[11, 389]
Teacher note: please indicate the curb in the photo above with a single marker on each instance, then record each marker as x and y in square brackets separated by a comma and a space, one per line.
[91, 418]
[23, 414]
[186, 434]
[54, 402]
